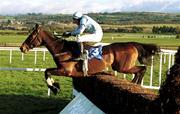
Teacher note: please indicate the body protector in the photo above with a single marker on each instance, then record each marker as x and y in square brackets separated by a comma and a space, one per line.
[91, 27]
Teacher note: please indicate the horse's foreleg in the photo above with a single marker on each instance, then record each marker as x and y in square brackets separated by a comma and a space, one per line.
[50, 82]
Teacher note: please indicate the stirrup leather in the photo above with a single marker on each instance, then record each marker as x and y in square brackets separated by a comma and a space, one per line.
[85, 63]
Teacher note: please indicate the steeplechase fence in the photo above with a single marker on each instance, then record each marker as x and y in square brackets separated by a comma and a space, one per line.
[117, 96]
[165, 61]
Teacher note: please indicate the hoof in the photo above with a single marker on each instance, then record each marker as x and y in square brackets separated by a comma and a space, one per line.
[54, 89]
[56, 85]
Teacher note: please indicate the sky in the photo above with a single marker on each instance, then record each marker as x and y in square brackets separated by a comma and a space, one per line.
[14, 7]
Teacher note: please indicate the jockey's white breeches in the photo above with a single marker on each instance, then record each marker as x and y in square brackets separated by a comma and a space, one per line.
[95, 37]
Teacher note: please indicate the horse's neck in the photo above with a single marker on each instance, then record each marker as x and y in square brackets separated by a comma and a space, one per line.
[52, 44]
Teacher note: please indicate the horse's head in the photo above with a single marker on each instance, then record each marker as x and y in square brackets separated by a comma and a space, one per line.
[33, 40]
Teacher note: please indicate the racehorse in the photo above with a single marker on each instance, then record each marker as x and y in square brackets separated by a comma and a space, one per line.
[120, 57]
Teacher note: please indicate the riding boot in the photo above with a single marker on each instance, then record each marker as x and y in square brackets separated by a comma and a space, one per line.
[82, 56]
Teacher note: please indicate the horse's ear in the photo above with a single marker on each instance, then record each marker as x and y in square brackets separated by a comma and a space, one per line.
[36, 26]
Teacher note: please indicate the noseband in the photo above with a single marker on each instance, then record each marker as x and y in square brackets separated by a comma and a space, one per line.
[35, 40]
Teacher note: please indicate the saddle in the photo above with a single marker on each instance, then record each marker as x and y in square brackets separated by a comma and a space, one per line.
[89, 45]
[93, 51]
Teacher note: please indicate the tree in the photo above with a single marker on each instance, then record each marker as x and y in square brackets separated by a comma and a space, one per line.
[177, 30]
[136, 29]
[155, 29]
[178, 36]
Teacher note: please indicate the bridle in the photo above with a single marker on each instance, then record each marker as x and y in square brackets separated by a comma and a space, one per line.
[34, 40]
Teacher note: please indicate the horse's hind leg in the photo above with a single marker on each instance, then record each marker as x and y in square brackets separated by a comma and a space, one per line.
[139, 74]
[137, 70]
[142, 74]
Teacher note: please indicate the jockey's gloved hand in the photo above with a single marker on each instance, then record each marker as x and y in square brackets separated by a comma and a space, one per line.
[66, 34]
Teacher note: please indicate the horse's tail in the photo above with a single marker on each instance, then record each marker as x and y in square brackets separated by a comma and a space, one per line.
[146, 51]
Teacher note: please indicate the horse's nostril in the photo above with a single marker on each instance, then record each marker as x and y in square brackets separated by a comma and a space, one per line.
[21, 48]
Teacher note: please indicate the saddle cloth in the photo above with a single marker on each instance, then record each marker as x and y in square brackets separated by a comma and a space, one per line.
[95, 52]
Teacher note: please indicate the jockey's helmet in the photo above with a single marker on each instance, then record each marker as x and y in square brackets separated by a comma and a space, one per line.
[77, 15]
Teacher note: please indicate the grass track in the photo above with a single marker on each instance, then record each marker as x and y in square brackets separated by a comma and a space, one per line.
[26, 93]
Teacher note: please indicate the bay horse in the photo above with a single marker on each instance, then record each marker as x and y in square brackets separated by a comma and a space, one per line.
[120, 56]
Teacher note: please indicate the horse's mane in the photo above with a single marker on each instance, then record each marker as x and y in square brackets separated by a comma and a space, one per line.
[68, 45]
[48, 32]
[58, 37]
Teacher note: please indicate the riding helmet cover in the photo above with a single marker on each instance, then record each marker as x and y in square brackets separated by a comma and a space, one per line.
[77, 15]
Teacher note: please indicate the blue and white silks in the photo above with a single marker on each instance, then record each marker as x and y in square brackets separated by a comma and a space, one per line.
[95, 52]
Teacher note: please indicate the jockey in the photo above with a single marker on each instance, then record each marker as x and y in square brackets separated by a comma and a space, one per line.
[85, 23]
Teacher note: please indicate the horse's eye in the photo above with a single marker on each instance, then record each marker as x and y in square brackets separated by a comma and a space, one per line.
[31, 46]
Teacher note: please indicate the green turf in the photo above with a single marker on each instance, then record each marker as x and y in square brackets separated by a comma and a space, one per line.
[159, 39]
[26, 93]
